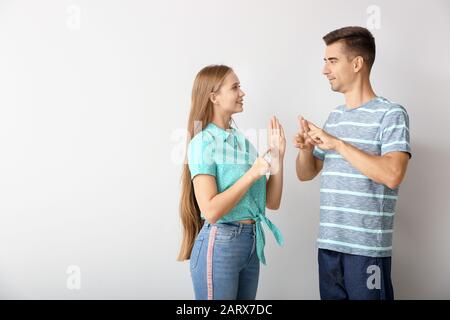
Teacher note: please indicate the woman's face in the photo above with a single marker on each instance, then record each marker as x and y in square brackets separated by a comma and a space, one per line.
[229, 99]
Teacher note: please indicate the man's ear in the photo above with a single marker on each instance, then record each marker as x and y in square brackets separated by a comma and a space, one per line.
[357, 63]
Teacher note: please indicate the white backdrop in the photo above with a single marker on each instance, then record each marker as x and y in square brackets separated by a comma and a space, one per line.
[94, 96]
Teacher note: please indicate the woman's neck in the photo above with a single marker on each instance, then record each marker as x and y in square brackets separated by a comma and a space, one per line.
[222, 121]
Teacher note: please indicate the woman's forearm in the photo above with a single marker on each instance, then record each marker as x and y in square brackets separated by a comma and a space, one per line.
[274, 189]
[223, 202]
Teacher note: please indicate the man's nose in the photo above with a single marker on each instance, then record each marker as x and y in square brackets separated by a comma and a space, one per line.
[325, 70]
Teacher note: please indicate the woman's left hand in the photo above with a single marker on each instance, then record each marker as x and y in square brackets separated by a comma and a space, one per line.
[277, 141]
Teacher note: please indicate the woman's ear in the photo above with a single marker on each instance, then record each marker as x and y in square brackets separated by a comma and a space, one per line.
[213, 97]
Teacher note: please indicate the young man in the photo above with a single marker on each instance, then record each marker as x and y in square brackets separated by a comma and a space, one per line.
[362, 151]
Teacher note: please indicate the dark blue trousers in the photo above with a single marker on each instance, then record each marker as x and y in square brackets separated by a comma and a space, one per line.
[345, 276]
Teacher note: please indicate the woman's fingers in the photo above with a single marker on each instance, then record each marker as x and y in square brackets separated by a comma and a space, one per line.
[269, 133]
[277, 127]
[272, 126]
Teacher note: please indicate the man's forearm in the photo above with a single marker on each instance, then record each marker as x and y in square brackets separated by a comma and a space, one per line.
[377, 168]
[305, 165]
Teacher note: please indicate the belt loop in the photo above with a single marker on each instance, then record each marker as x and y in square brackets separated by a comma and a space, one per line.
[241, 225]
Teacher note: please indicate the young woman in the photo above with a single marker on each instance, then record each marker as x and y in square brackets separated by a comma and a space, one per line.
[225, 191]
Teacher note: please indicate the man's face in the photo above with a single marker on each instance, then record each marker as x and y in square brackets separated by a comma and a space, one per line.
[338, 67]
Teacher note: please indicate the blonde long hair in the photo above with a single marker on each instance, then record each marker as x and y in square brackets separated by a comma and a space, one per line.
[208, 80]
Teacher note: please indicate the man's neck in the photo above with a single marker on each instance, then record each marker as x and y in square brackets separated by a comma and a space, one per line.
[360, 94]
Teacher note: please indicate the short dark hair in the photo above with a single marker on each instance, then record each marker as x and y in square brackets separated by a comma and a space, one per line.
[357, 40]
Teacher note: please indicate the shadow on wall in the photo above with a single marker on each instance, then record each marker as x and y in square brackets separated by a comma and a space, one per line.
[421, 265]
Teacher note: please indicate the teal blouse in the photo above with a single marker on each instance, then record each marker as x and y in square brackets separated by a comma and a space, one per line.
[228, 155]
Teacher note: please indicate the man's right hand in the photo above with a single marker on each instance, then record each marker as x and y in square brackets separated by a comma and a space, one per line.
[302, 140]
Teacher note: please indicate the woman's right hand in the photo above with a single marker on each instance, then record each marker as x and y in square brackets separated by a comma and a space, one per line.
[260, 167]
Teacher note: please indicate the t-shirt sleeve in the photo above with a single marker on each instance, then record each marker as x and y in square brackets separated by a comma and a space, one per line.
[201, 155]
[394, 131]
[318, 153]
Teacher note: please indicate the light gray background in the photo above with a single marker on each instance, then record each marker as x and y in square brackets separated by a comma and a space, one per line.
[90, 115]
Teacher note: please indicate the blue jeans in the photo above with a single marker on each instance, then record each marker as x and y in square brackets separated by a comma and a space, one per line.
[346, 276]
[224, 264]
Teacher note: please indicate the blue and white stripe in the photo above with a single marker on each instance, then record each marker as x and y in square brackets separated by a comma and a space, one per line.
[356, 212]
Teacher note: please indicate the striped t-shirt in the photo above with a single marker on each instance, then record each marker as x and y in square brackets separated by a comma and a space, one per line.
[357, 213]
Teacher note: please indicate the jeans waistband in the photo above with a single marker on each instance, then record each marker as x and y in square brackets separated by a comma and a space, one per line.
[240, 227]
